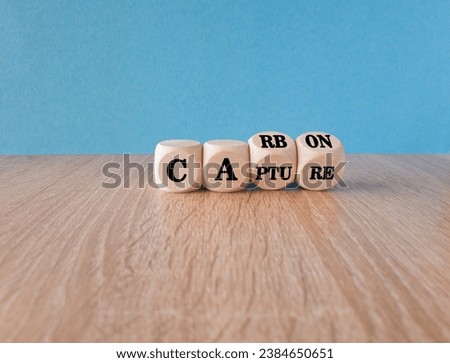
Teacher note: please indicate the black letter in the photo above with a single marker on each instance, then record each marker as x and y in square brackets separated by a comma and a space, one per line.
[260, 170]
[309, 140]
[273, 170]
[324, 139]
[280, 141]
[229, 170]
[315, 173]
[282, 169]
[170, 168]
[266, 141]
[328, 172]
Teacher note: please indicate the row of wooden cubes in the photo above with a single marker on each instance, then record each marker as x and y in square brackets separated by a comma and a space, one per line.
[270, 160]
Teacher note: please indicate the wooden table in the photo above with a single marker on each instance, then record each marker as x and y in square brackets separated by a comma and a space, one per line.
[82, 263]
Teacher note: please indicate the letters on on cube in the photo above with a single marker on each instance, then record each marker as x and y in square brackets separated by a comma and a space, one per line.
[270, 160]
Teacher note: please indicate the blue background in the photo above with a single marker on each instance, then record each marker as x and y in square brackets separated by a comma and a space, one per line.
[119, 76]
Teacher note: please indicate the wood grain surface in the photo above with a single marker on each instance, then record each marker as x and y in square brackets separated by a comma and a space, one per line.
[82, 263]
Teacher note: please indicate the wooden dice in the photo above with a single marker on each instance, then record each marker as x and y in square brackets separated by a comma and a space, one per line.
[273, 156]
[271, 160]
[320, 160]
[226, 165]
[178, 165]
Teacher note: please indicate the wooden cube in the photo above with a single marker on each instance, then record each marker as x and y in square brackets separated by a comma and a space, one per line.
[226, 165]
[273, 156]
[321, 160]
[178, 165]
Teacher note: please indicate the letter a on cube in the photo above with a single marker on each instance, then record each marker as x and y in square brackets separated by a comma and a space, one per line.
[226, 165]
